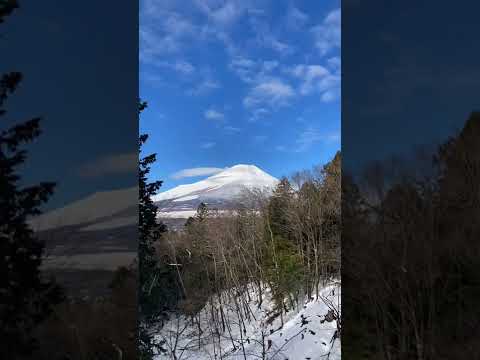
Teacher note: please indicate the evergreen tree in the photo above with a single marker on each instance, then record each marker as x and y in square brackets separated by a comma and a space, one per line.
[6, 8]
[190, 221]
[149, 232]
[26, 298]
[202, 212]
[159, 290]
[277, 206]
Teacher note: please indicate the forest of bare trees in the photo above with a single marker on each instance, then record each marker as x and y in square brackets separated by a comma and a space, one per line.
[286, 243]
[410, 254]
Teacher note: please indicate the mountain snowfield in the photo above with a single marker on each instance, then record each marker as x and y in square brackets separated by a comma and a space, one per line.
[307, 333]
[218, 190]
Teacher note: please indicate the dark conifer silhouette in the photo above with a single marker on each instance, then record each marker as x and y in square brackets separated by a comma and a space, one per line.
[157, 281]
[25, 297]
[6, 8]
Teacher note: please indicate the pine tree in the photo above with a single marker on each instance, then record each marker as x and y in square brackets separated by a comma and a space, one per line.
[202, 212]
[159, 289]
[277, 206]
[149, 232]
[6, 8]
[26, 298]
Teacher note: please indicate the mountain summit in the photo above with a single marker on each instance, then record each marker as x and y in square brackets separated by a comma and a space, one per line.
[217, 190]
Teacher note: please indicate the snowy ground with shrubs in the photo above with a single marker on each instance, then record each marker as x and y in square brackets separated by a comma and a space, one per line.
[309, 331]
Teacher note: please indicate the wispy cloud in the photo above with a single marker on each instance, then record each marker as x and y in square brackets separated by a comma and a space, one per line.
[269, 65]
[244, 68]
[296, 19]
[193, 172]
[319, 79]
[258, 114]
[184, 67]
[110, 164]
[312, 135]
[208, 145]
[270, 41]
[163, 31]
[310, 75]
[267, 39]
[252, 72]
[181, 66]
[327, 34]
[334, 63]
[222, 13]
[204, 87]
[212, 114]
[272, 92]
[232, 129]
[205, 84]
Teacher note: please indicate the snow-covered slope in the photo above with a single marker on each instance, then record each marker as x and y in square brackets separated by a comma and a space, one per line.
[307, 332]
[218, 189]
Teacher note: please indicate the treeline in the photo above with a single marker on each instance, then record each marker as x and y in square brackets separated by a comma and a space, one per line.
[286, 242]
[411, 254]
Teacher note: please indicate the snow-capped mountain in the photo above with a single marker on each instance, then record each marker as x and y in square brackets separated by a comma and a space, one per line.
[219, 191]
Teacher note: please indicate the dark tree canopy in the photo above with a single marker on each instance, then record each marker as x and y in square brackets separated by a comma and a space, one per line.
[26, 298]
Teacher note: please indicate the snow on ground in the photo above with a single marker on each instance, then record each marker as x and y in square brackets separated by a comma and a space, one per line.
[307, 332]
[184, 214]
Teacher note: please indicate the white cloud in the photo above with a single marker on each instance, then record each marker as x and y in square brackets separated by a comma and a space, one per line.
[257, 114]
[204, 87]
[312, 135]
[163, 31]
[205, 84]
[212, 114]
[309, 75]
[334, 63]
[318, 79]
[272, 92]
[181, 66]
[267, 39]
[328, 33]
[270, 41]
[184, 67]
[244, 68]
[280, 148]
[222, 13]
[208, 145]
[269, 65]
[192, 172]
[296, 18]
[232, 129]
[242, 62]
[250, 71]
[330, 85]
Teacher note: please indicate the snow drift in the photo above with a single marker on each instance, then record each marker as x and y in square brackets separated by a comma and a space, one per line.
[308, 332]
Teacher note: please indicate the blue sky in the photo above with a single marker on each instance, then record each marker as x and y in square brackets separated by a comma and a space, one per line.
[80, 75]
[239, 81]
